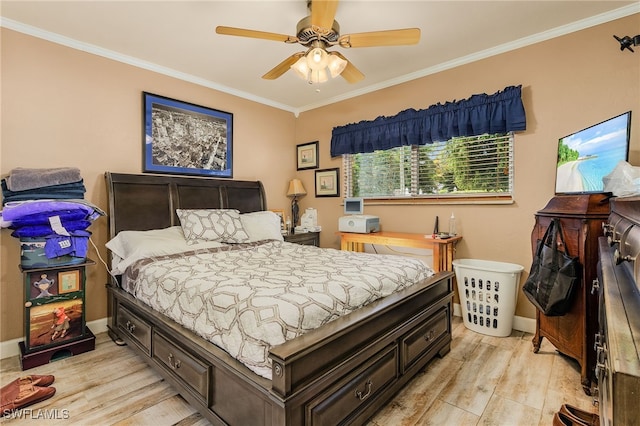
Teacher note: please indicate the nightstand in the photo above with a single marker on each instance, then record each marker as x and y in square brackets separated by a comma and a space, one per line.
[55, 314]
[307, 238]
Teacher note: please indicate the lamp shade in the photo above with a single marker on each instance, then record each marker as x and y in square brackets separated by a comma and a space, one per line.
[301, 68]
[336, 65]
[296, 188]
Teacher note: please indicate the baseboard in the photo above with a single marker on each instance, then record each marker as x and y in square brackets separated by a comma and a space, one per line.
[528, 325]
[10, 347]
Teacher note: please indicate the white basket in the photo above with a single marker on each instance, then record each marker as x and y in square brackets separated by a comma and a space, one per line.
[488, 294]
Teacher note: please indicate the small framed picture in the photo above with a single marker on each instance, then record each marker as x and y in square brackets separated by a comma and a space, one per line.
[328, 183]
[68, 281]
[307, 154]
[283, 218]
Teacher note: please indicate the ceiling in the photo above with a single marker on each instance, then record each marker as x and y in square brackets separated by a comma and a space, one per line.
[178, 38]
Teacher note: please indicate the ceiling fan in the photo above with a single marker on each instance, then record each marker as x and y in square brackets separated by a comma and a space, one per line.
[317, 33]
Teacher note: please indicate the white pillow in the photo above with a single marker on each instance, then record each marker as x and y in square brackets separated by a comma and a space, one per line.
[223, 225]
[263, 225]
[130, 246]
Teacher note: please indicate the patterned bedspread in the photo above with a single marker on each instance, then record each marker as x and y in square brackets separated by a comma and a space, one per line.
[246, 298]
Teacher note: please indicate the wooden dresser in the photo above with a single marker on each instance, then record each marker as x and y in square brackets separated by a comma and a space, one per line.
[618, 340]
[581, 217]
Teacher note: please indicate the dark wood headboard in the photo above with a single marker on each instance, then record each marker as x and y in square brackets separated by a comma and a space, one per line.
[140, 202]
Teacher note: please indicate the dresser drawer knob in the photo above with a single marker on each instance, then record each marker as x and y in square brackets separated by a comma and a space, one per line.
[364, 396]
[618, 258]
[131, 327]
[430, 336]
[173, 362]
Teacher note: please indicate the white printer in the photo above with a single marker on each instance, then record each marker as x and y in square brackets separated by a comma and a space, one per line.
[361, 224]
[354, 220]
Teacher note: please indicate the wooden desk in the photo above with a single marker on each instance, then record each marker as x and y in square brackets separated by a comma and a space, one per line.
[442, 249]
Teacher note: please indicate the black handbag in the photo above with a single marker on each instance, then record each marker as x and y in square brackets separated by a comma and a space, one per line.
[554, 274]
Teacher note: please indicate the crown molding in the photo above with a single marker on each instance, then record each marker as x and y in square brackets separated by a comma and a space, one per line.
[516, 44]
[129, 60]
[497, 50]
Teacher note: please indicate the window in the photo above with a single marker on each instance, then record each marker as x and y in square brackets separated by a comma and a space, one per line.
[467, 167]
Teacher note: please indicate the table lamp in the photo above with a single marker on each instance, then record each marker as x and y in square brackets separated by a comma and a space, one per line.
[296, 189]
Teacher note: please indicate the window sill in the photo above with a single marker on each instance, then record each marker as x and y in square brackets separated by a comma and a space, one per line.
[494, 200]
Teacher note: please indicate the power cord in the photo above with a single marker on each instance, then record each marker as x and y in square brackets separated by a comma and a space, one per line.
[102, 260]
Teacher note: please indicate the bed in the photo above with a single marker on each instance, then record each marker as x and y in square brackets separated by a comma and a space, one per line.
[341, 372]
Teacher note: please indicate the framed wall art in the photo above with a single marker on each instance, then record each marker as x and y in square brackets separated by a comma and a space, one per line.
[183, 138]
[69, 281]
[307, 155]
[328, 183]
[50, 323]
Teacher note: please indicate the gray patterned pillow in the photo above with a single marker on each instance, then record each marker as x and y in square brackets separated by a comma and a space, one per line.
[222, 225]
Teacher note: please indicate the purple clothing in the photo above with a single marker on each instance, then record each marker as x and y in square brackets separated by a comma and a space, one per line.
[46, 230]
[18, 209]
[43, 217]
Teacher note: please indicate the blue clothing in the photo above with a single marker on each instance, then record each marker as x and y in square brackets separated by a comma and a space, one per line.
[36, 231]
[60, 245]
[18, 209]
[42, 218]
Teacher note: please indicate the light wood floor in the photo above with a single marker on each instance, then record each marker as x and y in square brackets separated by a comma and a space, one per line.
[483, 381]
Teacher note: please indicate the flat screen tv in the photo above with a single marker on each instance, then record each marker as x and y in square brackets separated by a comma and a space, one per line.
[586, 156]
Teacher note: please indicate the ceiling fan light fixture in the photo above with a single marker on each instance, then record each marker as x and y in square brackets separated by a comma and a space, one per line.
[317, 58]
[318, 65]
[318, 76]
[301, 68]
[336, 65]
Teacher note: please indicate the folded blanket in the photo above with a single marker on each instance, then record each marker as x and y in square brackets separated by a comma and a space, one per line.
[19, 209]
[21, 179]
[46, 230]
[42, 218]
[65, 191]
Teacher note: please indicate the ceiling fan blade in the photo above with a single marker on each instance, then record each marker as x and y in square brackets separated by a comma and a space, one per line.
[255, 34]
[381, 38]
[283, 66]
[323, 12]
[350, 73]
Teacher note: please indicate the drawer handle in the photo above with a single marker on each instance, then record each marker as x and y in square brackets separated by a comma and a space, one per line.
[431, 335]
[173, 362]
[130, 327]
[598, 342]
[619, 258]
[364, 396]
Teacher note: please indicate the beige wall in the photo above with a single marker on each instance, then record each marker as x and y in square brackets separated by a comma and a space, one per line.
[63, 107]
[569, 83]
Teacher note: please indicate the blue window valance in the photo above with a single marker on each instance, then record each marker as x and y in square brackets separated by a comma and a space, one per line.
[501, 112]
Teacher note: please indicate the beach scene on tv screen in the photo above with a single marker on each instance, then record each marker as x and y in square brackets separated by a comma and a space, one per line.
[587, 156]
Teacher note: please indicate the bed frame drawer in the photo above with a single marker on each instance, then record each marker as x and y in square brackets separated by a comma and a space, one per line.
[134, 327]
[356, 392]
[418, 342]
[189, 370]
